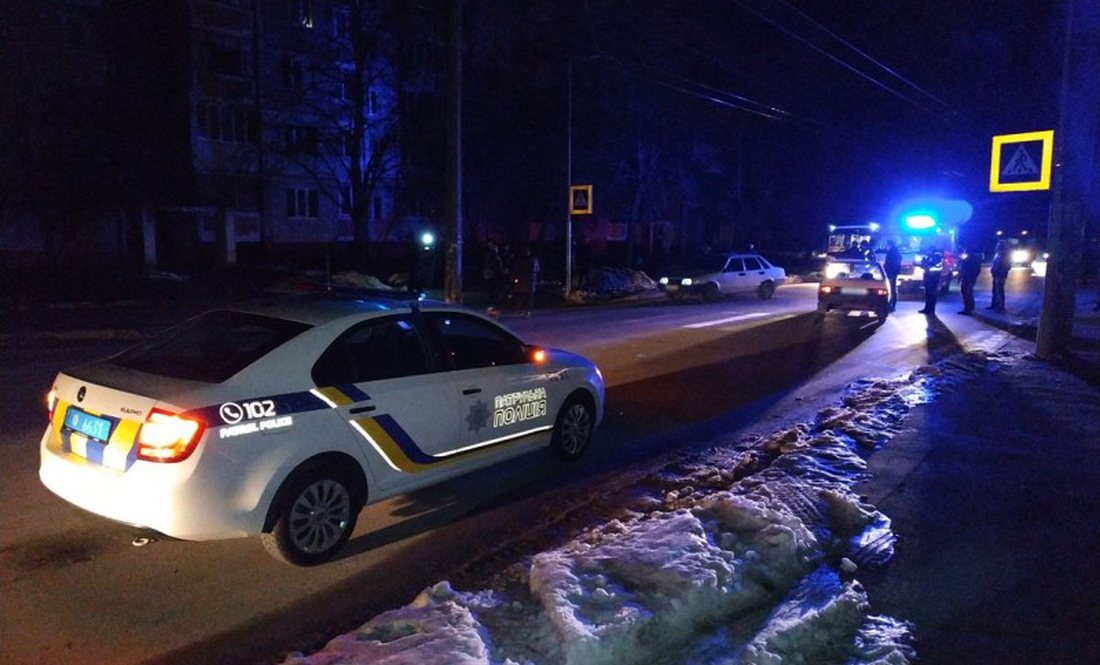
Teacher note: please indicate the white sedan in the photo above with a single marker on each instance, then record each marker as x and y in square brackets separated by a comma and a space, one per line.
[724, 275]
[285, 418]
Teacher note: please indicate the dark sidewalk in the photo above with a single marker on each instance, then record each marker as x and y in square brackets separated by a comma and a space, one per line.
[992, 489]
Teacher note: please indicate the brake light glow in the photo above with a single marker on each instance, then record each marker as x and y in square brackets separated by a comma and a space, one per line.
[51, 402]
[168, 437]
[879, 292]
[538, 356]
[826, 289]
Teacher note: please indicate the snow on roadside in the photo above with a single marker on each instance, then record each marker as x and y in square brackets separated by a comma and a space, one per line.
[746, 553]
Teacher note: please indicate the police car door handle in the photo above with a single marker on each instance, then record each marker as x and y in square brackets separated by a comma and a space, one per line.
[471, 391]
[362, 409]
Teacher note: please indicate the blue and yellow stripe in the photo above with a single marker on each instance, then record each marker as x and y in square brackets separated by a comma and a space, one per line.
[118, 452]
[401, 453]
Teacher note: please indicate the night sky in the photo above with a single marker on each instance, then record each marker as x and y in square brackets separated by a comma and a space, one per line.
[852, 104]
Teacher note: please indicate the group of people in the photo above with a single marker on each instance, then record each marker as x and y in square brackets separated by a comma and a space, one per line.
[510, 281]
[933, 265]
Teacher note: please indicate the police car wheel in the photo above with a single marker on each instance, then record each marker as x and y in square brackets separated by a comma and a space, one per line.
[710, 293]
[315, 519]
[765, 290]
[573, 429]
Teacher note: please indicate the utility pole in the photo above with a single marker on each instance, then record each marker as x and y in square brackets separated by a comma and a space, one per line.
[453, 278]
[1064, 236]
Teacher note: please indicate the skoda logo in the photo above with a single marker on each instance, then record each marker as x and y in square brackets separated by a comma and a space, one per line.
[81, 393]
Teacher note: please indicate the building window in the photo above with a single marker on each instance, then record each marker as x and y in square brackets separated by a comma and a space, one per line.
[302, 139]
[347, 84]
[347, 141]
[341, 23]
[301, 203]
[300, 13]
[217, 122]
[226, 60]
[294, 73]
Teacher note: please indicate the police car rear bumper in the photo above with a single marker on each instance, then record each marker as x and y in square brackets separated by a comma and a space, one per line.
[162, 497]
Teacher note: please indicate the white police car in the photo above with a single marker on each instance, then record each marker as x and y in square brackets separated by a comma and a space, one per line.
[286, 417]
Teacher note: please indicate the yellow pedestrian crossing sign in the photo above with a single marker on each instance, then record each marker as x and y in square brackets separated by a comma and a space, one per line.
[1021, 162]
[580, 200]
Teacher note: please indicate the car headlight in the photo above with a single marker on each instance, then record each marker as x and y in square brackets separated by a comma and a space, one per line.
[833, 269]
[685, 281]
[1021, 256]
[663, 281]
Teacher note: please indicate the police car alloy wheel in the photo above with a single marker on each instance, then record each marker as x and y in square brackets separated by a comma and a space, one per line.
[313, 519]
[573, 429]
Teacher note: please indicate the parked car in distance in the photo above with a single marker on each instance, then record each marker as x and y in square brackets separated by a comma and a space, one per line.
[858, 286]
[720, 275]
[284, 417]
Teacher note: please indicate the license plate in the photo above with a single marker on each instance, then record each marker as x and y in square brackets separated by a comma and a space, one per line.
[853, 291]
[90, 426]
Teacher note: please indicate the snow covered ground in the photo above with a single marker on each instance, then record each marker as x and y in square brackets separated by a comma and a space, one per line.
[747, 553]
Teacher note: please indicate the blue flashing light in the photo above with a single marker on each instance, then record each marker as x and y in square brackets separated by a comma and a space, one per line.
[920, 222]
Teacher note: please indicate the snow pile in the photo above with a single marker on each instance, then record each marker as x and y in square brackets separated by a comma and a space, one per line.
[360, 281]
[606, 283]
[743, 554]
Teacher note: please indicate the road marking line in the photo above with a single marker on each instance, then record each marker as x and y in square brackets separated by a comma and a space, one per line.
[731, 319]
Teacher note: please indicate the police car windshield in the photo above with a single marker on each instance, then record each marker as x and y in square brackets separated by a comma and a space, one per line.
[211, 347]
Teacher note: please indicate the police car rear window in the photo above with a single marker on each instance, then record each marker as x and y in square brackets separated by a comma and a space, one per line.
[211, 347]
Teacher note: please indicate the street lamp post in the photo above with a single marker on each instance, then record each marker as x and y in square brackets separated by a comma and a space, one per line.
[569, 171]
[569, 181]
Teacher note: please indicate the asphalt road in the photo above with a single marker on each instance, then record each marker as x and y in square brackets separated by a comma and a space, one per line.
[74, 587]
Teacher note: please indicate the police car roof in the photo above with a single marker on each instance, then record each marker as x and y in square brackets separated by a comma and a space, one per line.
[316, 309]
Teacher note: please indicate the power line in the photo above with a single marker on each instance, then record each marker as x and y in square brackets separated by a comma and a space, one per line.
[865, 55]
[869, 78]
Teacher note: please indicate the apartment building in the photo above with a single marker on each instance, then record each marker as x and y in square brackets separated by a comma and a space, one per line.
[206, 129]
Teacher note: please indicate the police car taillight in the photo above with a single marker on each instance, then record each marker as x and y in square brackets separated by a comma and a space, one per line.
[538, 356]
[168, 437]
[51, 402]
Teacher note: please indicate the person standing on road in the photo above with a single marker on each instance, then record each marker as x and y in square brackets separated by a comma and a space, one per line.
[526, 277]
[932, 264]
[891, 265]
[970, 267]
[1002, 263]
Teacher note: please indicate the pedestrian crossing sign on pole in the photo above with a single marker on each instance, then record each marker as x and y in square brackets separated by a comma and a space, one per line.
[580, 200]
[1021, 162]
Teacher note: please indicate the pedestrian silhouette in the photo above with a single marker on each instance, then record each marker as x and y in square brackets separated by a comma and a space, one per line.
[1002, 264]
[526, 277]
[932, 264]
[891, 265]
[969, 268]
